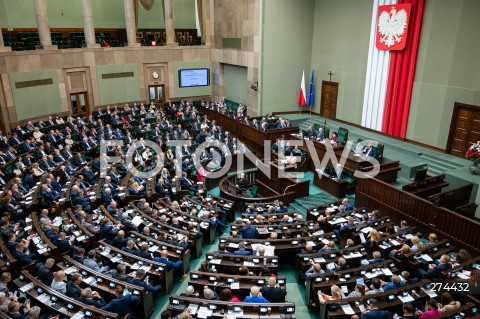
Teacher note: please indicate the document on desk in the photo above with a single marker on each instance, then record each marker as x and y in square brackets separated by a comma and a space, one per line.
[430, 293]
[235, 285]
[465, 274]
[394, 242]
[27, 287]
[367, 230]
[216, 261]
[79, 315]
[137, 220]
[192, 308]
[204, 312]
[426, 257]
[311, 242]
[234, 314]
[319, 260]
[233, 245]
[406, 298]
[347, 309]
[153, 248]
[71, 270]
[371, 275]
[146, 268]
[387, 272]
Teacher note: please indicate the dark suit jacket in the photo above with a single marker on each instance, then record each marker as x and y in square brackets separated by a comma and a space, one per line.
[121, 305]
[274, 294]
[22, 258]
[377, 314]
[73, 291]
[436, 272]
[44, 274]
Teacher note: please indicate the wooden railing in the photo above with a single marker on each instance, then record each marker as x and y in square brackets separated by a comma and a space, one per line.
[376, 194]
[453, 198]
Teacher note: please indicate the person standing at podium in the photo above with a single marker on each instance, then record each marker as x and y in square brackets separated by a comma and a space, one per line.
[242, 183]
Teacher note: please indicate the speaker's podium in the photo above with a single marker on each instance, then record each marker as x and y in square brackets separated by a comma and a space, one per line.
[282, 179]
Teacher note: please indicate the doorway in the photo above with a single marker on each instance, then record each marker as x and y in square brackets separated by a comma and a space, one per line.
[328, 104]
[79, 104]
[464, 129]
[156, 94]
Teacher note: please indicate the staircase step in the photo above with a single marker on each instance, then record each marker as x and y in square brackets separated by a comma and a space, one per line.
[450, 163]
[298, 208]
[432, 161]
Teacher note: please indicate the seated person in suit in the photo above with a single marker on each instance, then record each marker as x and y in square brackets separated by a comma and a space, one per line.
[370, 151]
[13, 311]
[185, 181]
[107, 230]
[139, 281]
[120, 273]
[241, 250]
[329, 246]
[23, 255]
[346, 203]
[222, 249]
[372, 311]
[248, 231]
[177, 266]
[341, 265]
[272, 291]
[131, 248]
[91, 263]
[315, 269]
[44, 271]
[92, 298]
[79, 255]
[394, 284]
[308, 249]
[121, 304]
[435, 271]
[377, 258]
[73, 286]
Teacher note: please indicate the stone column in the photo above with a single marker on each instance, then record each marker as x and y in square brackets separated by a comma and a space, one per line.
[88, 28]
[169, 26]
[42, 25]
[206, 4]
[3, 48]
[130, 23]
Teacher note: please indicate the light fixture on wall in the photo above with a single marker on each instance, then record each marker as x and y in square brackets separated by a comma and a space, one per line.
[254, 86]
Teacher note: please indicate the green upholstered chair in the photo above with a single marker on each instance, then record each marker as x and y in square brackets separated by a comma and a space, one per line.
[254, 191]
[342, 135]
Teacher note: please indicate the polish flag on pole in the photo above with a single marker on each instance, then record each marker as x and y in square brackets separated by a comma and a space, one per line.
[302, 98]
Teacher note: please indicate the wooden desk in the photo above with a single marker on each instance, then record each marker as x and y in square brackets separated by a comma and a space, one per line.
[230, 263]
[228, 191]
[336, 188]
[76, 306]
[246, 133]
[107, 284]
[217, 281]
[250, 309]
[430, 186]
[158, 271]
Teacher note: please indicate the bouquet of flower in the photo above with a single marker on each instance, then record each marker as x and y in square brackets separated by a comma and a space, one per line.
[473, 153]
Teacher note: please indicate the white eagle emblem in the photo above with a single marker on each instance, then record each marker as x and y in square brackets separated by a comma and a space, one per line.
[392, 27]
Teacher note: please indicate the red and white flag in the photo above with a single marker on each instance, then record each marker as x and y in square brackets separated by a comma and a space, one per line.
[302, 98]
